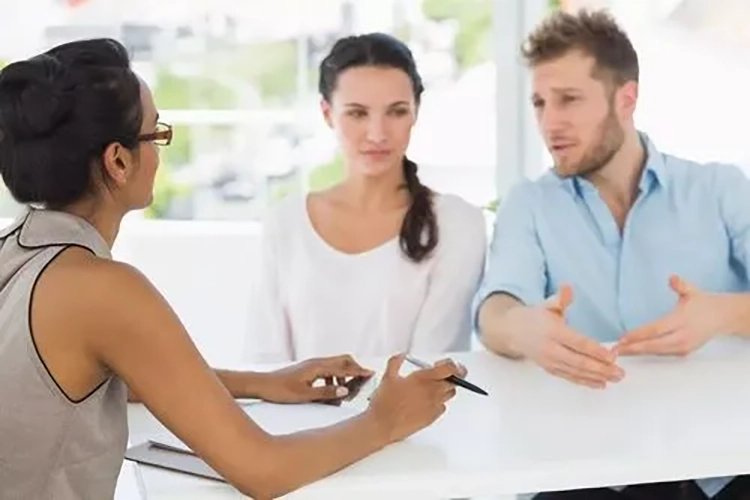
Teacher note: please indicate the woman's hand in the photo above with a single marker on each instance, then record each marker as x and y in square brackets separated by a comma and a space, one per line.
[296, 383]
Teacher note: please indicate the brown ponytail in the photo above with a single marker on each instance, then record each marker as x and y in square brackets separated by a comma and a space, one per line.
[419, 219]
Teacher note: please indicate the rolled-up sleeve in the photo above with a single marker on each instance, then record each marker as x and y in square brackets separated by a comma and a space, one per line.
[733, 192]
[516, 263]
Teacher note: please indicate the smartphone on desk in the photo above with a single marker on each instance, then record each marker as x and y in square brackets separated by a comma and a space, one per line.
[354, 385]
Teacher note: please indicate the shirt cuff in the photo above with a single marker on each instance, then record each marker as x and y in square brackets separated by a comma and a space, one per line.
[523, 296]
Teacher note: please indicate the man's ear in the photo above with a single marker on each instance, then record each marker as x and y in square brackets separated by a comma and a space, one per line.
[628, 98]
[118, 163]
[325, 108]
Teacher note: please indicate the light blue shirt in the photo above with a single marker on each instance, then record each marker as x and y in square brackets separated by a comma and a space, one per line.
[689, 219]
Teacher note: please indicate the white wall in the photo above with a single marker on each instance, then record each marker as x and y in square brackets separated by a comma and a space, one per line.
[206, 270]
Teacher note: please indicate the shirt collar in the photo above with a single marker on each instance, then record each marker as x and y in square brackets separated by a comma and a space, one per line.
[655, 169]
[654, 172]
[39, 228]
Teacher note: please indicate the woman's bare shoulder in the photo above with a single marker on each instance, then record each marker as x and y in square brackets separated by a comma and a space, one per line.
[80, 279]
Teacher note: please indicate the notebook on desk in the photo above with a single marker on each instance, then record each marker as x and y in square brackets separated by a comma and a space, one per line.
[169, 458]
[165, 451]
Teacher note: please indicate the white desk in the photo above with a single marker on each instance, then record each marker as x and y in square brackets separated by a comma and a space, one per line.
[668, 419]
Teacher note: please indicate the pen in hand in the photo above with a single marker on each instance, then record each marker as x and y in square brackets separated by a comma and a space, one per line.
[452, 379]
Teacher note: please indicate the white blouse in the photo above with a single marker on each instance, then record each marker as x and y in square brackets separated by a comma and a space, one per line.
[317, 301]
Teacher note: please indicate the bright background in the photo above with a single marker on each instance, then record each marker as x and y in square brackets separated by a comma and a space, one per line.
[237, 78]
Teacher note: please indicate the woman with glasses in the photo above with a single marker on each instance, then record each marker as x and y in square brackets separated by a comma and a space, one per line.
[79, 144]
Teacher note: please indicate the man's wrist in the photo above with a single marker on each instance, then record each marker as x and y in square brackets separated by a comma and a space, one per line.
[737, 310]
[517, 324]
[498, 326]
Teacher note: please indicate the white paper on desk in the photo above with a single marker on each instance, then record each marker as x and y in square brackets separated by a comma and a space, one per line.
[285, 419]
[129, 484]
[279, 419]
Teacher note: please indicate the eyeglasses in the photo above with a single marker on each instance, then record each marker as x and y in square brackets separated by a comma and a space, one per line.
[162, 136]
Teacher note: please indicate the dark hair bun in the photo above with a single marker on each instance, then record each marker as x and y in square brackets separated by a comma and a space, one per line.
[36, 97]
[58, 113]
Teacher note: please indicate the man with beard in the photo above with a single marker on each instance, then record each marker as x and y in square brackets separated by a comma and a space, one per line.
[619, 243]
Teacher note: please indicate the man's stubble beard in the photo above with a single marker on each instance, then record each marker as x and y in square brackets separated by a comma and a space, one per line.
[610, 138]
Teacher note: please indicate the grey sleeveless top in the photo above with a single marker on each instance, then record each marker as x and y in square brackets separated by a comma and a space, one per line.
[50, 446]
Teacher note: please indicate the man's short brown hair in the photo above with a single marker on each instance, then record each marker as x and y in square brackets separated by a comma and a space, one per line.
[594, 33]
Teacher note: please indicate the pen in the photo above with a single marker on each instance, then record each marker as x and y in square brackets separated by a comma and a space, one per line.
[452, 379]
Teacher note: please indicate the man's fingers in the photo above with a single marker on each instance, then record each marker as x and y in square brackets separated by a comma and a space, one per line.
[671, 343]
[586, 367]
[680, 286]
[649, 331]
[582, 344]
[560, 301]
[577, 379]
[581, 365]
